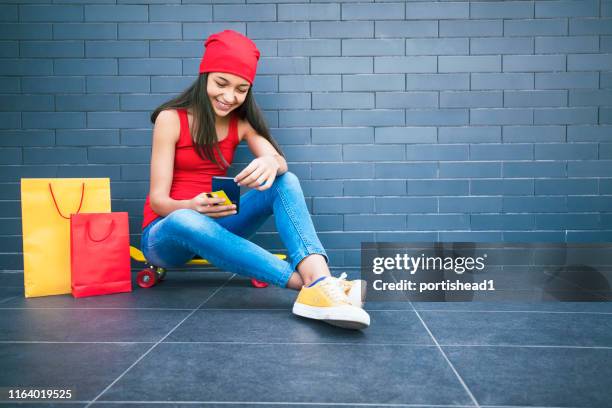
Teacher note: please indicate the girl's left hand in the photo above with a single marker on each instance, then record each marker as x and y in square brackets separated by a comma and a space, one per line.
[260, 170]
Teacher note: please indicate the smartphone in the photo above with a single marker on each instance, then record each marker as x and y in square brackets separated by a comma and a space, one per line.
[228, 186]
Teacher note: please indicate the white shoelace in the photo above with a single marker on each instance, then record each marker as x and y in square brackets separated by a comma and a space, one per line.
[342, 280]
[333, 288]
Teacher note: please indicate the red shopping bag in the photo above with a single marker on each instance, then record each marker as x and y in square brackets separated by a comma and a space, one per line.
[100, 253]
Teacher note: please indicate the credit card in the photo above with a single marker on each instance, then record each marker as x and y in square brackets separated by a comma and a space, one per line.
[219, 194]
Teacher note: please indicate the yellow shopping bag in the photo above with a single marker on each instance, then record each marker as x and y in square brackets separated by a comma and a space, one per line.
[46, 205]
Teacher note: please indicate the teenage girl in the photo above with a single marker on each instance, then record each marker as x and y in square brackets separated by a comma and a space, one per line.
[194, 138]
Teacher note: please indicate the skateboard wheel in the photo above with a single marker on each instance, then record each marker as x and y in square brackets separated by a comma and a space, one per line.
[259, 284]
[161, 274]
[146, 278]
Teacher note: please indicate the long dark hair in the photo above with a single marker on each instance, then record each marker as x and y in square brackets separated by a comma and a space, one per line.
[196, 98]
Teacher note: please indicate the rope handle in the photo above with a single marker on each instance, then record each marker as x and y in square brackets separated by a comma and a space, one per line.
[55, 201]
[112, 227]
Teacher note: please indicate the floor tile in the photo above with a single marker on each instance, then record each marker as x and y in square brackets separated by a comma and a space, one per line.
[393, 361]
[598, 307]
[508, 296]
[509, 328]
[87, 324]
[291, 373]
[241, 294]
[388, 305]
[160, 296]
[184, 290]
[88, 368]
[262, 326]
[544, 377]
[159, 404]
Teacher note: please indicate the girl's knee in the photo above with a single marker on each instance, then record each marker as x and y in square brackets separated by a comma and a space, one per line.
[287, 179]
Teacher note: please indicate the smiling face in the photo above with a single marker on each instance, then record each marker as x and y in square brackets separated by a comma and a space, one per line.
[226, 92]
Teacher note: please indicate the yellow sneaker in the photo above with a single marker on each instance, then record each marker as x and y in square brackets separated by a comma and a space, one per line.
[354, 289]
[326, 300]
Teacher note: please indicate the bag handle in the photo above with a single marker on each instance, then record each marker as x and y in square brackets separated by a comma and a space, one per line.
[110, 231]
[55, 201]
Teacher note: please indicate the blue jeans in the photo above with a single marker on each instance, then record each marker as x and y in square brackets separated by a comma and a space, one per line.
[173, 240]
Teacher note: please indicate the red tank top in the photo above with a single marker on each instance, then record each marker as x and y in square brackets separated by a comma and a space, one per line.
[193, 175]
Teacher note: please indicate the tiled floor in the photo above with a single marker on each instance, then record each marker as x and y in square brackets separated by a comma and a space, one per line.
[209, 339]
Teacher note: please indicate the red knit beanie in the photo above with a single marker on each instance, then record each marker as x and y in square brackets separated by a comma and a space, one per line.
[229, 51]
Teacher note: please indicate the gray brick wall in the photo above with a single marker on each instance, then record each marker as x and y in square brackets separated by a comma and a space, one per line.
[416, 120]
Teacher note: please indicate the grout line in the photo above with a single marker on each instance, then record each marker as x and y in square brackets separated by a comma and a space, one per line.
[159, 341]
[437, 345]
[352, 404]
[387, 344]
[7, 299]
[255, 343]
[267, 403]
[93, 308]
[511, 311]
[446, 358]
[71, 342]
[340, 404]
[18, 403]
[527, 346]
[222, 342]
[284, 309]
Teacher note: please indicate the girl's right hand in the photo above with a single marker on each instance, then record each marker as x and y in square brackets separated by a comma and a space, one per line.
[206, 205]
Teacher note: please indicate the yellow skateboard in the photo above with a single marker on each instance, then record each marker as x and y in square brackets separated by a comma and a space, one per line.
[152, 274]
